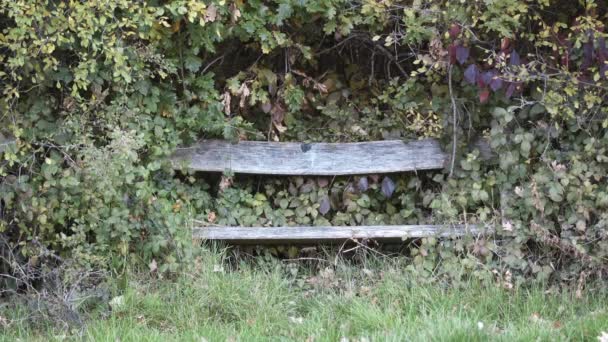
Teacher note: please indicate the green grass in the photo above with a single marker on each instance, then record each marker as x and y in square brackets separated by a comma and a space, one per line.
[374, 301]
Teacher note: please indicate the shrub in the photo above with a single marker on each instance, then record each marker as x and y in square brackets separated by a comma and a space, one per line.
[97, 94]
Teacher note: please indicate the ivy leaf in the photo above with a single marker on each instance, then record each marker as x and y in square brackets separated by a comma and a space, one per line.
[555, 193]
[471, 73]
[363, 184]
[193, 63]
[514, 60]
[388, 187]
[462, 54]
[324, 205]
[283, 12]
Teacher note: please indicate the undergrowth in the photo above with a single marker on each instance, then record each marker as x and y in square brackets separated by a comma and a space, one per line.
[367, 298]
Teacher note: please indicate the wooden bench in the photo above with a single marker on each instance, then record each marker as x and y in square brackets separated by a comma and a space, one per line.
[319, 159]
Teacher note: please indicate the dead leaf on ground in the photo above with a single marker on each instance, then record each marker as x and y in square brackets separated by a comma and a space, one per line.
[296, 320]
[225, 183]
[153, 266]
[211, 217]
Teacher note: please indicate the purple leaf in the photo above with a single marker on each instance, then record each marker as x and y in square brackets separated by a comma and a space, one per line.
[602, 55]
[454, 30]
[363, 184]
[471, 73]
[462, 53]
[480, 82]
[324, 205]
[510, 90]
[587, 55]
[604, 71]
[388, 187]
[496, 83]
[514, 58]
[488, 76]
[323, 182]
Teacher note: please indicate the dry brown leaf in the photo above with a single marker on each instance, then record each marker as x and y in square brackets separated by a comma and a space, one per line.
[226, 98]
[244, 93]
[153, 266]
[176, 26]
[235, 13]
[210, 13]
[277, 113]
[507, 226]
[225, 183]
[211, 217]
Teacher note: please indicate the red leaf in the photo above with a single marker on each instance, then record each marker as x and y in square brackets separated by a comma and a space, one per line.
[454, 30]
[565, 60]
[480, 80]
[452, 52]
[484, 94]
[323, 182]
[505, 43]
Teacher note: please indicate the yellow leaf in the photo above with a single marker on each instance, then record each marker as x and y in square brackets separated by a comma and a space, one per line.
[176, 26]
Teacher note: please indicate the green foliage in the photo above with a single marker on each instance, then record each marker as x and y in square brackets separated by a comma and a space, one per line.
[379, 299]
[99, 93]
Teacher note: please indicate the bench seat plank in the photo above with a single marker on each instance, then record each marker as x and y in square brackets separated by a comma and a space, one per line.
[315, 234]
[320, 159]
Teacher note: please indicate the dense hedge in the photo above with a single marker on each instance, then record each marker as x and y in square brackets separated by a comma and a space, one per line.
[98, 93]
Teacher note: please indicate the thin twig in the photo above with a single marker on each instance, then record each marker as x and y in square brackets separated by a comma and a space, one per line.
[392, 58]
[211, 63]
[454, 117]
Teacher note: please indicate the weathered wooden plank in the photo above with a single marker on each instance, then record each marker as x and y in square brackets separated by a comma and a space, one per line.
[288, 158]
[315, 234]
